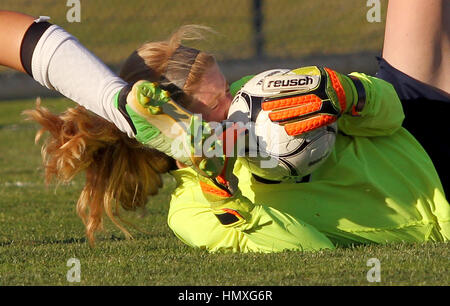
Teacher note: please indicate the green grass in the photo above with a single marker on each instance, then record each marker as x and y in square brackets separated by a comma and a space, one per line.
[40, 232]
[292, 28]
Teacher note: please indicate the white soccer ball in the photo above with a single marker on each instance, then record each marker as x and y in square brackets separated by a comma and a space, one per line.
[270, 152]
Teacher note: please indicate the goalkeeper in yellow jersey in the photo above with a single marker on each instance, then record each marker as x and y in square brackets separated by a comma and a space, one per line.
[377, 186]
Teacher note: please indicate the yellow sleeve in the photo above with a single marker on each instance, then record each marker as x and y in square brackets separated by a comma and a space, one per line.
[269, 230]
[382, 114]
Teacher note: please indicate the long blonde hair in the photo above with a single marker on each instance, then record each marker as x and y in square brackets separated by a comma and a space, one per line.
[120, 172]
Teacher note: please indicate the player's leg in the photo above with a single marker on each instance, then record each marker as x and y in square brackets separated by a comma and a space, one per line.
[417, 40]
[416, 62]
[13, 27]
[42, 50]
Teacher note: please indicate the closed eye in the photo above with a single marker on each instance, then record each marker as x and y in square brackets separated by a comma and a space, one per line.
[215, 105]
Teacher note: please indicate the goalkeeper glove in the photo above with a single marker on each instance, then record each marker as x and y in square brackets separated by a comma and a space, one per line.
[311, 97]
[222, 191]
[160, 123]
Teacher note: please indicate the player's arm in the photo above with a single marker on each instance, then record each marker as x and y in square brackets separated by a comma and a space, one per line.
[382, 113]
[265, 229]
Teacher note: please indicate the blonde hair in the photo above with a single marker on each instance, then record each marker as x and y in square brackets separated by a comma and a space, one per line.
[120, 172]
[151, 60]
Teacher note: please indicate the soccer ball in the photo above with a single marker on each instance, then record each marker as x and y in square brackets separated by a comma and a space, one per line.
[270, 152]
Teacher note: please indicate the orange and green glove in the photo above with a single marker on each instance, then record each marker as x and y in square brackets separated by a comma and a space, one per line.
[310, 97]
[160, 123]
[222, 191]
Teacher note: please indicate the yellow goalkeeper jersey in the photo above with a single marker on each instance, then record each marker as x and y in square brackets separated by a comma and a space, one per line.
[377, 186]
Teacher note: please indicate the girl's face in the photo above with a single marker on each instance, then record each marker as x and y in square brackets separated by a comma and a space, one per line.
[213, 98]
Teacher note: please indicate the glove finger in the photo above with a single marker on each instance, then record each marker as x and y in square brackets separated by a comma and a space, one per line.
[150, 96]
[289, 101]
[338, 89]
[146, 89]
[161, 96]
[309, 124]
[291, 107]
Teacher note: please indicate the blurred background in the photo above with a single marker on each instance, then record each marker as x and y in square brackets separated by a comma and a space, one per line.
[251, 35]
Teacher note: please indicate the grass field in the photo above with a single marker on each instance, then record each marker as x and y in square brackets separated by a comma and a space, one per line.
[291, 28]
[40, 232]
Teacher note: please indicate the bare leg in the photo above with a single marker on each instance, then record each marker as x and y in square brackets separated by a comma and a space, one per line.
[417, 40]
[13, 27]
[84, 79]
